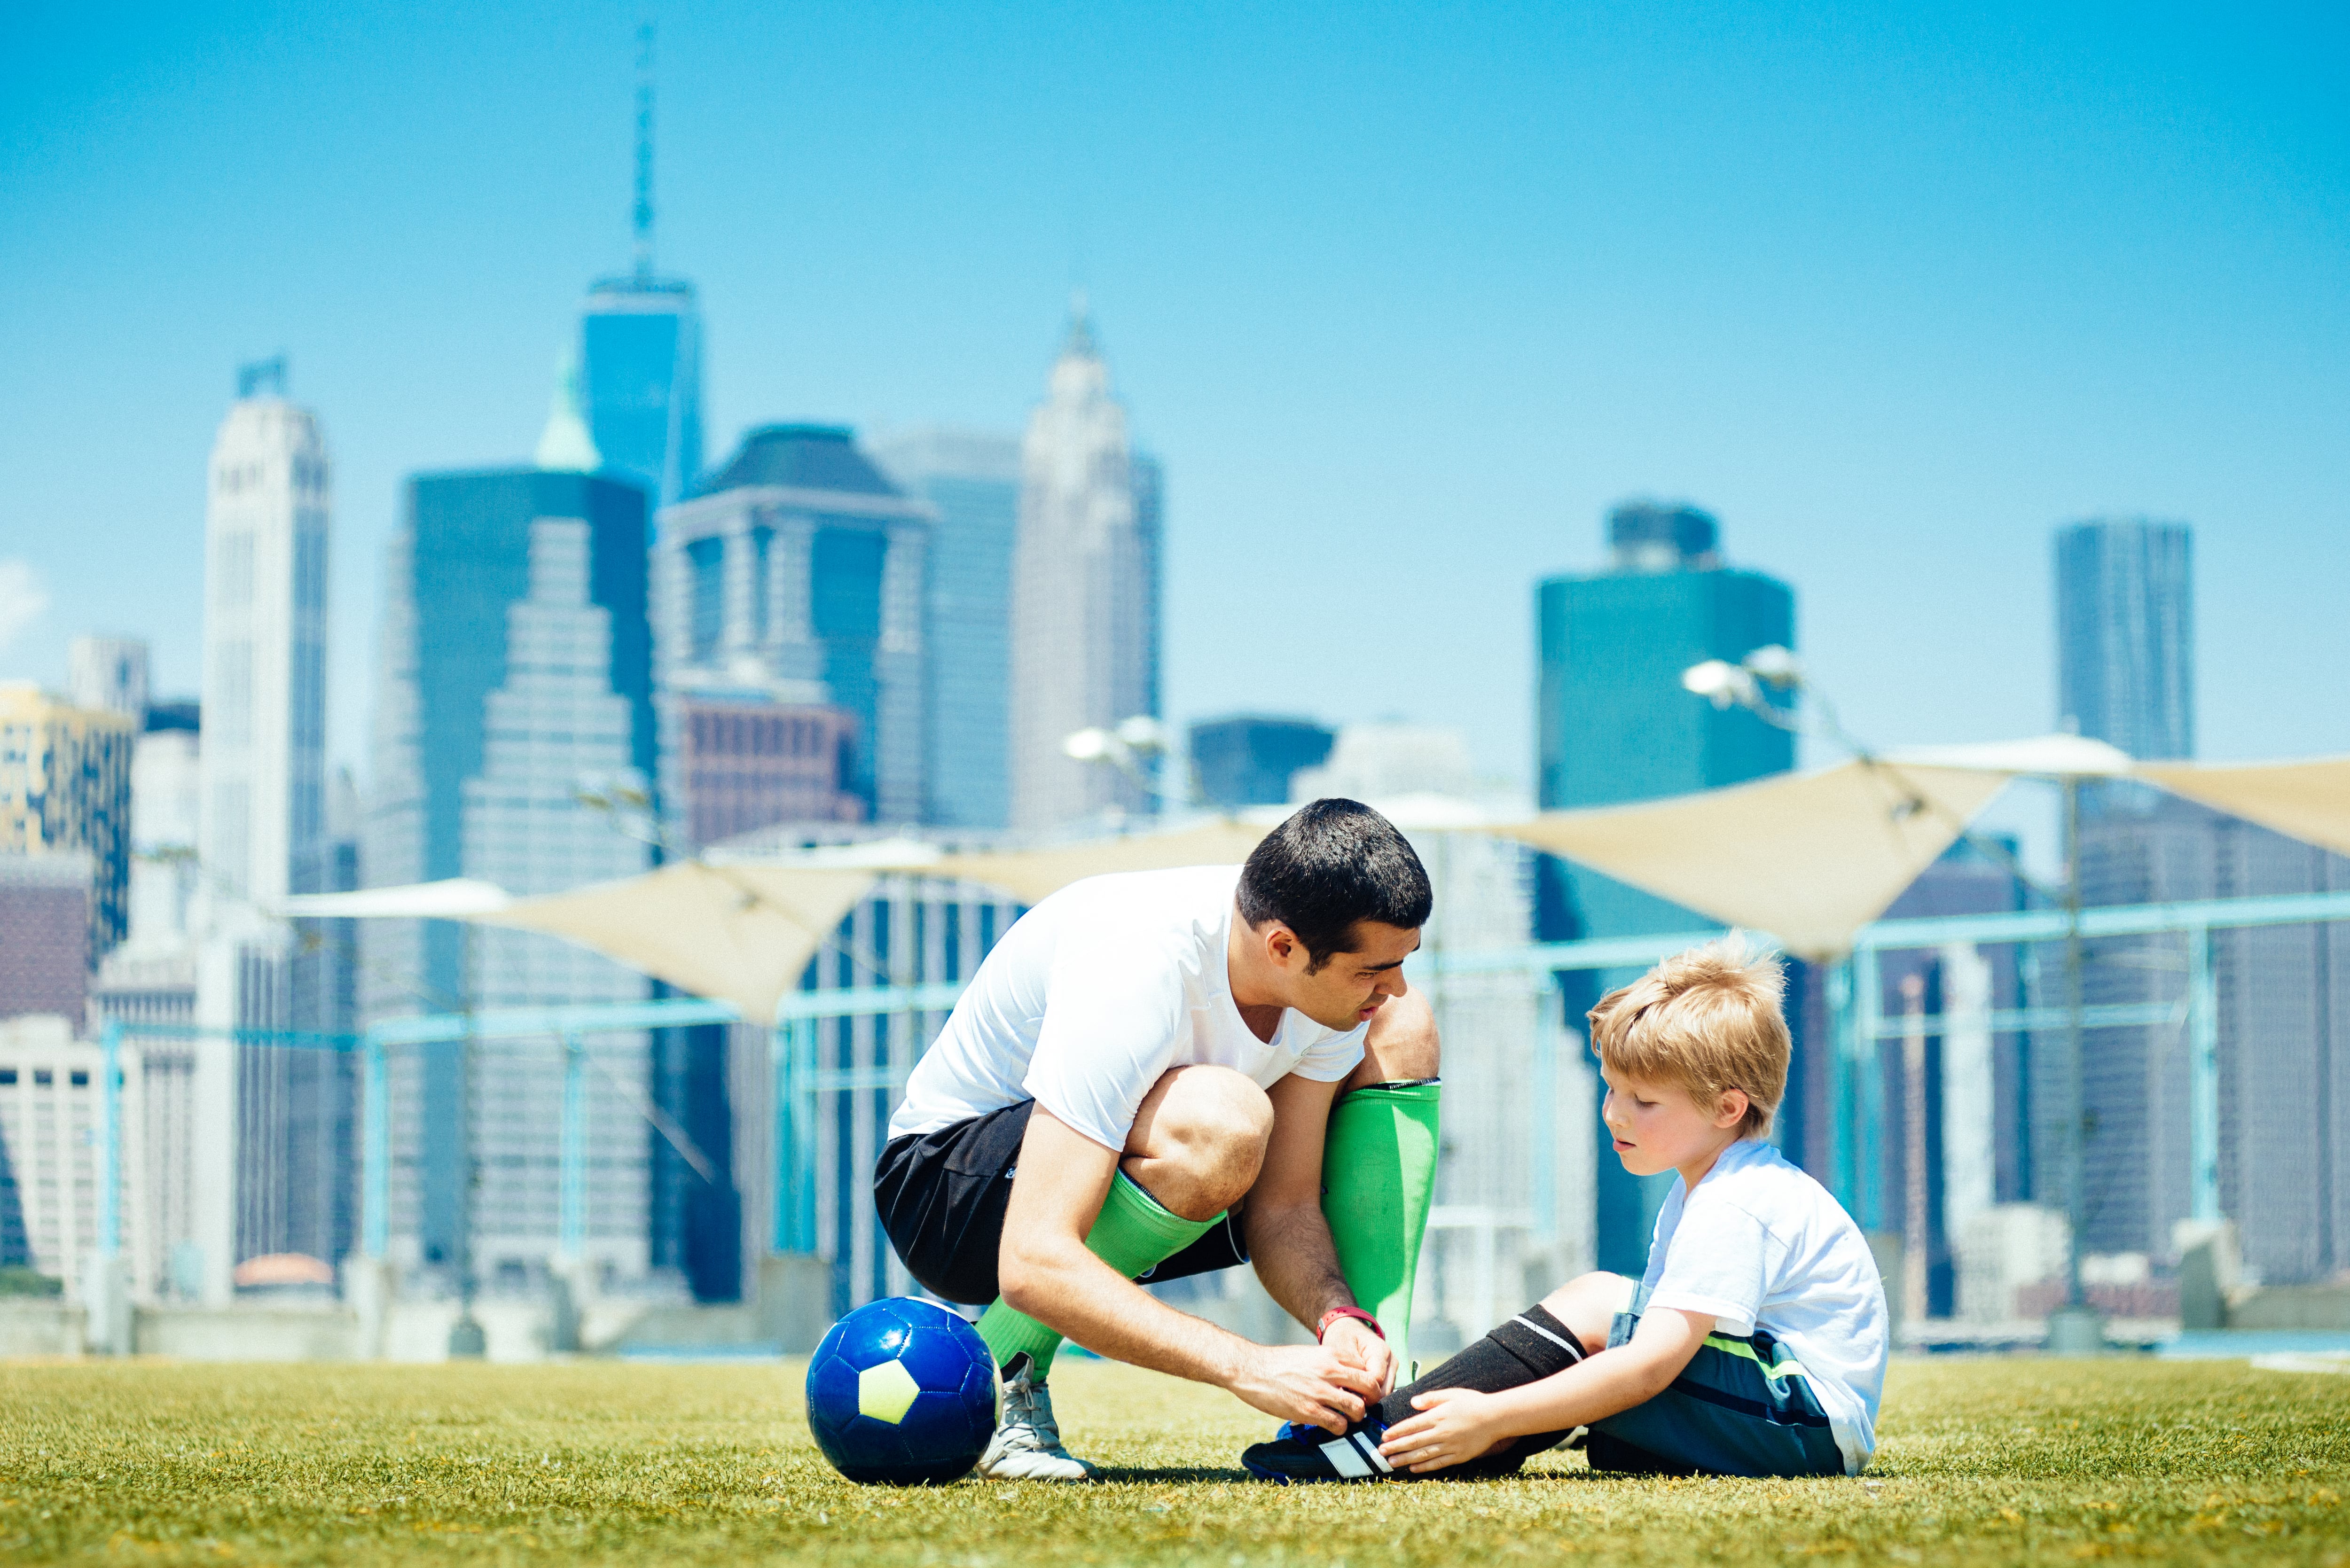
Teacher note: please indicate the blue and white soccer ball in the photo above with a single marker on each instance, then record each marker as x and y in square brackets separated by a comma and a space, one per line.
[902, 1393]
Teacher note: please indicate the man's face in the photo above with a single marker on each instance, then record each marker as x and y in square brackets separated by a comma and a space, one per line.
[1349, 986]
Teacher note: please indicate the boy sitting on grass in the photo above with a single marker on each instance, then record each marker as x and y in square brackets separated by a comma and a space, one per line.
[1754, 1344]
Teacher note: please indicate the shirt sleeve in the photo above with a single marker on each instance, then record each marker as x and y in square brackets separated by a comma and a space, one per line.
[1717, 1263]
[1333, 1056]
[1113, 1020]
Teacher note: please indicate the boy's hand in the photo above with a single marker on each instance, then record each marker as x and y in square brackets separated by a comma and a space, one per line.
[1454, 1425]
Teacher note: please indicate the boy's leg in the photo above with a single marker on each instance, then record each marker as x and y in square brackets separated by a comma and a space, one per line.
[1743, 1407]
[1536, 1343]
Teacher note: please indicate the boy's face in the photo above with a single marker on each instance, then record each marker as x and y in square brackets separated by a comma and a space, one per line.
[1658, 1128]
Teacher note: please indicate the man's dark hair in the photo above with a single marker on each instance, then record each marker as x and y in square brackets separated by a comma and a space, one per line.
[1332, 864]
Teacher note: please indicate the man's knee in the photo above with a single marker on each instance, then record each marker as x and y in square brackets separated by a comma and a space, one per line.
[1199, 1139]
[1401, 1045]
[1589, 1304]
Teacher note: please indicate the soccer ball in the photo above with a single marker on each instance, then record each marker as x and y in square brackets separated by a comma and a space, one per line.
[902, 1393]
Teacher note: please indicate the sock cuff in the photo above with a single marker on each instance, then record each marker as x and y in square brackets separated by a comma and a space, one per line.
[1405, 1092]
[1128, 1207]
[1539, 1340]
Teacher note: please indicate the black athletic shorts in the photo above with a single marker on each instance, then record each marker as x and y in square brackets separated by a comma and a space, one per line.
[942, 1197]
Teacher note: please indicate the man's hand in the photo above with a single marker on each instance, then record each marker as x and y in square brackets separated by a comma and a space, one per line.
[1304, 1383]
[1351, 1340]
[1454, 1425]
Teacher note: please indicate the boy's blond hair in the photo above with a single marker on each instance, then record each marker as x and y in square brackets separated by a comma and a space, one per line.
[1708, 1020]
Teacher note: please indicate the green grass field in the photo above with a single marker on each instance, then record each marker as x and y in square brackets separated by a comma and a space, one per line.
[1983, 1462]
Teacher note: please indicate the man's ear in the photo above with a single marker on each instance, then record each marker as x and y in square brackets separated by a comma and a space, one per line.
[1730, 1109]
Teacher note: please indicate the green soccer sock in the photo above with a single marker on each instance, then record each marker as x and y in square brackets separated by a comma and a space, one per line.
[1379, 1177]
[1133, 1233]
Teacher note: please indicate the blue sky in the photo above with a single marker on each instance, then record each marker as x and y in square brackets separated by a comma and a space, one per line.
[1404, 297]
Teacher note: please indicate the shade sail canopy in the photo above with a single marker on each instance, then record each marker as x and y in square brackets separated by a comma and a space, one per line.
[2308, 800]
[1808, 857]
[2042, 756]
[458, 898]
[742, 930]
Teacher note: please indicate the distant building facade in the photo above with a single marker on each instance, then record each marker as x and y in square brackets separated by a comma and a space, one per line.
[1250, 759]
[272, 1122]
[44, 932]
[1614, 725]
[2126, 635]
[750, 765]
[796, 575]
[1084, 591]
[2284, 995]
[971, 480]
[515, 676]
[65, 787]
[107, 673]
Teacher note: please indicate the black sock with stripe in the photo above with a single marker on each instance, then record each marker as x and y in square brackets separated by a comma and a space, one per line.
[1527, 1348]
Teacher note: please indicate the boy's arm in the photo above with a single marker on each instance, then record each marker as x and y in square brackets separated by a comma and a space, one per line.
[1455, 1425]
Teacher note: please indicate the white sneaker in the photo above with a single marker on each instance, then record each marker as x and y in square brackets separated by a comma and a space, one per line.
[1028, 1441]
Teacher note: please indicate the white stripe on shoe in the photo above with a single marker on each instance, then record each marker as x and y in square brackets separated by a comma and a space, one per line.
[1370, 1446]
[1347, 1459]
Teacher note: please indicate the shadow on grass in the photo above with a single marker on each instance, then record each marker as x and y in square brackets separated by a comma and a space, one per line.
[1142, 1476]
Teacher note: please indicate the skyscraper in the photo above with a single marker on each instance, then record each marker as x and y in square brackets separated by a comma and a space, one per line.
[2126, 635]
[1085, 590]
[795, 577]
[515, 675]
[640, 342]
[973, 480]
[1614, 725]
[272, 1125]
[1250, 759]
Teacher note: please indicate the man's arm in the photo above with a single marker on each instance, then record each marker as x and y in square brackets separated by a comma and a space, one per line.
[1045, 1271]
[1456, 1425]
[1289, 1238]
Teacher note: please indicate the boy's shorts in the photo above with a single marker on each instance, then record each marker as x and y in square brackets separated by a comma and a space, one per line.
[1741, 1408]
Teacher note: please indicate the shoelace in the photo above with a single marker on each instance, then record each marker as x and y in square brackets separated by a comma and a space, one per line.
[1021, 1401]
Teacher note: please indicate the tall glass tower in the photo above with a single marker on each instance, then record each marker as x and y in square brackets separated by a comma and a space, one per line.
[640, 344]
[2126, 634]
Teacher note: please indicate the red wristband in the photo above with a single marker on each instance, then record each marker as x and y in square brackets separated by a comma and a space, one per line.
[1336, 1312]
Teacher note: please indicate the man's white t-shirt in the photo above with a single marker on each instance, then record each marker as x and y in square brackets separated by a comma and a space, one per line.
[1095, 993]
[1760, 1244]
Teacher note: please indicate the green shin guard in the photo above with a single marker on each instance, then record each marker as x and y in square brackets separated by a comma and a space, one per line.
[1132, 1234]
[1379, 1177]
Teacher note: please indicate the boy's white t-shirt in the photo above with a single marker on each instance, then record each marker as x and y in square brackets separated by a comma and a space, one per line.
[1096, 992]
[1760, 1244]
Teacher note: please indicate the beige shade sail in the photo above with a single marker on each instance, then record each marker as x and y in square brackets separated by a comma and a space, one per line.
[742, 930]
[2307, 799]
[1809, 858]
[738, 933]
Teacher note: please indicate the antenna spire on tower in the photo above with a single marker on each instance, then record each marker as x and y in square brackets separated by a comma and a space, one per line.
[644, 207]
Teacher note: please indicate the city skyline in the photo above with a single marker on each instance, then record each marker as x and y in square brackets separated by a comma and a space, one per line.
[1850, 397]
